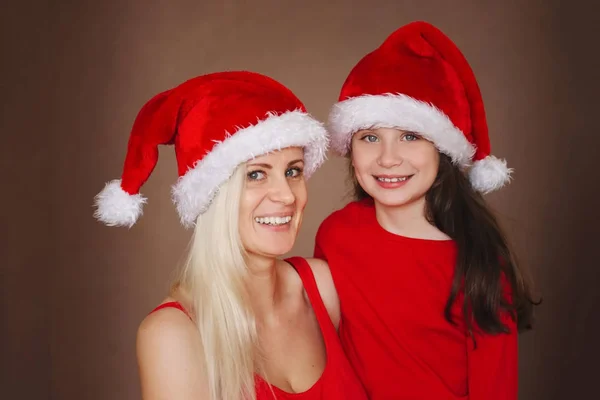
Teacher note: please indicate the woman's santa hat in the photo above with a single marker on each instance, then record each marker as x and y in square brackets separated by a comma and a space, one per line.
[215, 122]
[418, 80]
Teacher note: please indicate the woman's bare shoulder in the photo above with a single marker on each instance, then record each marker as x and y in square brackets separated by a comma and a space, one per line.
[326, 286]
[170, 356]
[167, 321]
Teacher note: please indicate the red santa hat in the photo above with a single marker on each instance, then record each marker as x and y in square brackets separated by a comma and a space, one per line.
[418, 80]
[215, 122]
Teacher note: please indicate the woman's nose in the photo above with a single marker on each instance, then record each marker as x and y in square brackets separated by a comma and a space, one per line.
[281, 192]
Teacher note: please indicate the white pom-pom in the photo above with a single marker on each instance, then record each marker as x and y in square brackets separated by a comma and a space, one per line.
[116, 207]
[489, 174]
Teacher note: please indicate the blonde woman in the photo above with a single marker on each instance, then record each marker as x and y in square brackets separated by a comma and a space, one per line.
[240, 323]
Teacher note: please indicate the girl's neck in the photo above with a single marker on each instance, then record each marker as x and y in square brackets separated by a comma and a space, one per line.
[408, 220]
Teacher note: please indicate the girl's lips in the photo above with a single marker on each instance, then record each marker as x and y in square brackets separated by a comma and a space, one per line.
[392, 181]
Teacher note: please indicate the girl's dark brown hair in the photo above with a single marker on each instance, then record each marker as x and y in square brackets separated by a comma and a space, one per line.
[486, 268]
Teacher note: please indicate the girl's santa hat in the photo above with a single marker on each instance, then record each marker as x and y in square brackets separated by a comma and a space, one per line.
[215, 122]
[418, 80]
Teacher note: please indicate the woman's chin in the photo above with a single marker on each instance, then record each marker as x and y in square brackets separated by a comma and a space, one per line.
[274, 250]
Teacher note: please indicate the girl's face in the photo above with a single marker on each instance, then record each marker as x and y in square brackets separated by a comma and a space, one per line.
[394, 167]
[272, 202]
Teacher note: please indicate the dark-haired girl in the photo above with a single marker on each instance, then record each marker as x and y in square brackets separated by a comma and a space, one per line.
[432, 298]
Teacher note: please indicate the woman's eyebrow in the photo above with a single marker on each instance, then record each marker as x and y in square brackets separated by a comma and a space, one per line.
[267, 166]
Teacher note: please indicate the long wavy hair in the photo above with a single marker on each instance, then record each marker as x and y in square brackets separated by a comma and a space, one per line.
[213, 275]
[485, 260]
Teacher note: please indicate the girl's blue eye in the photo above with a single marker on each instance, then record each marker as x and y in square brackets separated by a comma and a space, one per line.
[370, 138]
[293, 172]
[256, 175]
[410, 137]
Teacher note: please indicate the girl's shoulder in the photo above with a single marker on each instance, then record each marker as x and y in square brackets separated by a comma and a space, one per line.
[350, 214]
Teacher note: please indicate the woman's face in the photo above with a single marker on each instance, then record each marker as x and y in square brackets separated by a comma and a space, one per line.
[272, 203]
[394, 167]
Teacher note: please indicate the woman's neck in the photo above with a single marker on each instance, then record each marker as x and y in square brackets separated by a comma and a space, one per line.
[408, 220]
[264, 284]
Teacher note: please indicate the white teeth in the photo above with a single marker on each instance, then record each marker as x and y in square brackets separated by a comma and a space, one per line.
[392, 180]
[273, 220]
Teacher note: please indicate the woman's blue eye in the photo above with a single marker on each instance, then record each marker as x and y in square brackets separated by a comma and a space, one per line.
[370, 138]
[293, 172]
[410, 137]
[256, 175]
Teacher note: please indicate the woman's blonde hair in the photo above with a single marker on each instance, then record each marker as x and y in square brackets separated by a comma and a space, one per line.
[214, 277]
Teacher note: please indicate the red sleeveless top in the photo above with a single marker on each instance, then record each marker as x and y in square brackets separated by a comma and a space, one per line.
[338, 380]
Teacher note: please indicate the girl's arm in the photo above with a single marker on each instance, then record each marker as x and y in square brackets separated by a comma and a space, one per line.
[493, 365]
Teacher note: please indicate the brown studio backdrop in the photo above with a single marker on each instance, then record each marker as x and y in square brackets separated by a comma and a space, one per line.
[74, 77]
